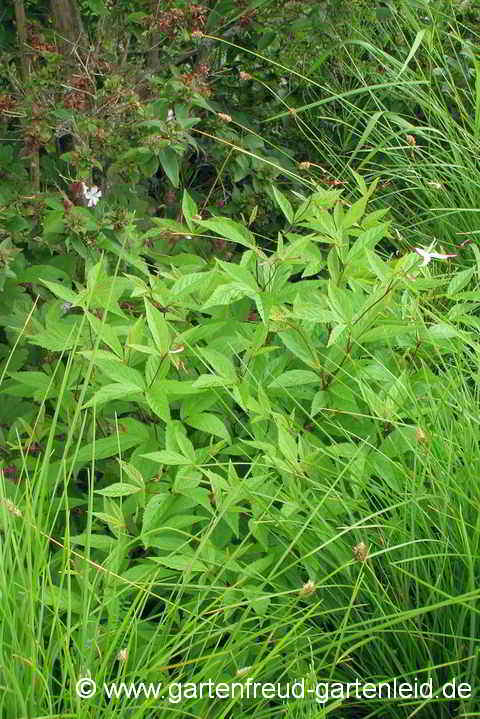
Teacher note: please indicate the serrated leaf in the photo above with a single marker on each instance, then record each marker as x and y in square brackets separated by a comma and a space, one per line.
[222, 365]
[188, 283]
[167, 457]
[183, 483]
[283, 204]
[181, 564]
[239, 274]
[37, 380]
[106, 333]
[154, 512]
[184, 444]
[340, 302]
[61, 598]
[459, 281]
[354, 213]
[294, 378]
[380, 268]
[57, 339]
[210, 423]
[110, 446]
[319, 402]
[226, 295]
[231, 230]
[170, 163]
[111, 392]
[210, 380]
[158, 327]
[384, 333]
[158, 401]
[335, 334]
[287, 444]
[200, 495]
[366, 242]
[120, 372]
[118, 489]
[97, 541]
[133, 473]
[440, 331]
[58, 289]
[189, 209]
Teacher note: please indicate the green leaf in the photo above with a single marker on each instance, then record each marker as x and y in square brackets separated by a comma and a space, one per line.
[130, 433]
[230, 230]
[294, 378]
[283, 204]
[333, 265]
[62, 599]
[438, 332]
[118, 489]
[120, 372]
[210, 380]
[340, 302]
[416, 44]
[210, 423]
[185, 446]
[226, 295]
[158, 327]
[167, 457]
[200, 495]
[386, 333]
[54, 223]
[222, 365]
[188, 283]
[459, 281]
[64, 293]
[287, 444]
[311, 312]
[170, 163]
[154, 512]
[319, 402]
[97, 7]
[158, 401]
[36, 380]
[366, 242]
[97, 541]
[107, 334]
[111, 392]
[63, 337]
[181, 564]
[239, 274]
[189, 209]
[354, 214]
[133, 473]
[380, 268]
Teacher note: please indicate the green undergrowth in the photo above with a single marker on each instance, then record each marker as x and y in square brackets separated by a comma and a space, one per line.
[261, 469]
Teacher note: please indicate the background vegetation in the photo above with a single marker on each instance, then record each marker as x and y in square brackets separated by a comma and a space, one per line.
[239, 319]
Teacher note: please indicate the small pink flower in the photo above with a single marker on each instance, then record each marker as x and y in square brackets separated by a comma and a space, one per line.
[428, 255]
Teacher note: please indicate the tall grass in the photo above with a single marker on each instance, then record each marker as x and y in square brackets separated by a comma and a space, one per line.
[422, 87]
[402, 605]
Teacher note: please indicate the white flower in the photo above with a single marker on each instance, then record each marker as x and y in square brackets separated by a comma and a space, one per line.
[428, 255]
[91, 194]
[170, 115]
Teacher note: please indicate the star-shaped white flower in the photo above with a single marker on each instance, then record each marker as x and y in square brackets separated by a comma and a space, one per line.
[428, 255]
[91, 194]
